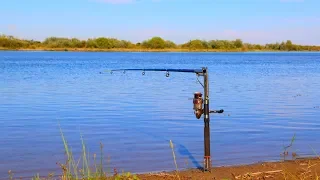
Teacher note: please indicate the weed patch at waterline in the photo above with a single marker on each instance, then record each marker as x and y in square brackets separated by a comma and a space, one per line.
[72, 171]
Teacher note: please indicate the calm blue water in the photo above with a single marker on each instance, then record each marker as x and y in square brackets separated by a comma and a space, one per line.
[267, 98]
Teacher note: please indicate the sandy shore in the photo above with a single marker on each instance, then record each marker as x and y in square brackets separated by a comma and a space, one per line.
[303, 169]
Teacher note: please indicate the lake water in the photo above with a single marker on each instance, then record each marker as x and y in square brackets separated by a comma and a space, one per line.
[267, 98]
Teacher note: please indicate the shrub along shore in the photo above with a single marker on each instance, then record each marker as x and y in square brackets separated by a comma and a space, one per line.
[155, 44]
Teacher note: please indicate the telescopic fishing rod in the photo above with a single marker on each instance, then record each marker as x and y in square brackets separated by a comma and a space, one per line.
[200, 105]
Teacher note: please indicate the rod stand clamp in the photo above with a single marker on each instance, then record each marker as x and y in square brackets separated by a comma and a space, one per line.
[216, 111]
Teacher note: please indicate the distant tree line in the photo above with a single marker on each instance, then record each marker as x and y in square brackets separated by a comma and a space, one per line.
[10, 42]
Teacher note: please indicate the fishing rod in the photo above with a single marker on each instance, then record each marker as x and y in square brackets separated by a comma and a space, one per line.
[167, 70]
[197, 71]
[200, 105]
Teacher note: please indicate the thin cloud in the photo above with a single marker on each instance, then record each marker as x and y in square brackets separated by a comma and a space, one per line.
[289, 1]
[122, 1]
[117, 1]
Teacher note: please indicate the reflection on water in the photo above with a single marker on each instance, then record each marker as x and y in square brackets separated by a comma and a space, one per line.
[267, 98]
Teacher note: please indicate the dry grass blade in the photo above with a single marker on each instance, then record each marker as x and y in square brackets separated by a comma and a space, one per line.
[174, 158]
[85, 163]
[257, 174]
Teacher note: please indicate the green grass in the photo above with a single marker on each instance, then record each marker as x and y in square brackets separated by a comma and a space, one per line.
[72, 171]
[80, 169]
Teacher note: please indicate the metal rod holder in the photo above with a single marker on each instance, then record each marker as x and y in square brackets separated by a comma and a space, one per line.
[206, 112]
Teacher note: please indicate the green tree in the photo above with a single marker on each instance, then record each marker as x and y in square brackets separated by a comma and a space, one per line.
[170, 44]
[276, 46]
[123, 44]
[76, 43]
[258, 47]
[57, 42]
[205, 44]
[238, 43]
[91, 43]
[11, 42]
[195, 44]
[289, 45]
[219, 45]
[154, 43]
[212, 44]
[83, 44]
[103, 43]
[282, 47]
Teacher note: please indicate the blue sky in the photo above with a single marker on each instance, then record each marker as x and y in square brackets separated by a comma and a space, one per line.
[254, 21]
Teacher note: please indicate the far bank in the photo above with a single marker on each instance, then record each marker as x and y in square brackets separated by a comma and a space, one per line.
[141, 50]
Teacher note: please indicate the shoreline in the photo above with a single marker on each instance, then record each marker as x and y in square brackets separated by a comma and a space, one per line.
[298, 169]
[140, 50]
[304, 168]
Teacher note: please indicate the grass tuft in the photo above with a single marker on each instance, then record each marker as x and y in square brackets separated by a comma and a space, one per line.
[72, 171]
